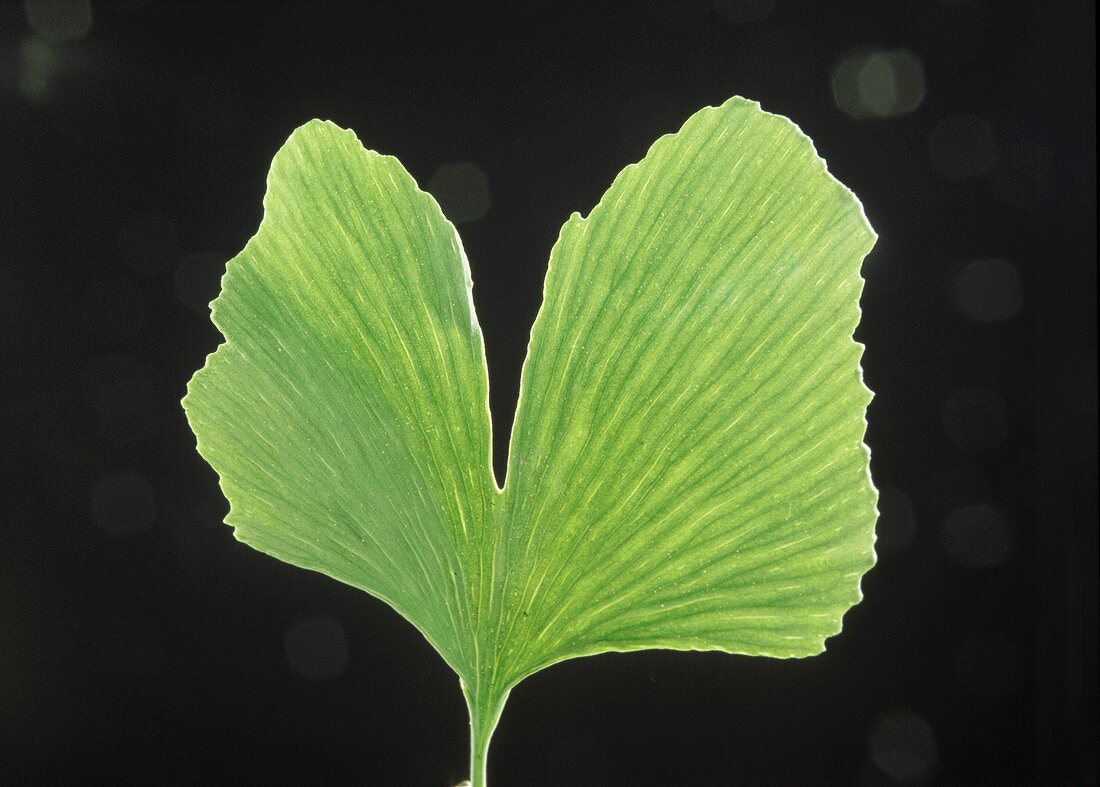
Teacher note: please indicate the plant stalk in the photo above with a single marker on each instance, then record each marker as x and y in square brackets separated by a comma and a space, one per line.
[484, 706]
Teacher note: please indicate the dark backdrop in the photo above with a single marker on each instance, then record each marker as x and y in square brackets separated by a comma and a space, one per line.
[139, 642]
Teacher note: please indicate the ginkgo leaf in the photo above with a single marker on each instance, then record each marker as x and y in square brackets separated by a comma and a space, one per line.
[686, 468]
[347, 412]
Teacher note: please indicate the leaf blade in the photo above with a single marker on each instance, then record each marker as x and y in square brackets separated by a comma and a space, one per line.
[663, 310]
[347, 411]
[686, 469]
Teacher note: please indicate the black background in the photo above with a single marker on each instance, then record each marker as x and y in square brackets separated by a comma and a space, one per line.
[140, 642]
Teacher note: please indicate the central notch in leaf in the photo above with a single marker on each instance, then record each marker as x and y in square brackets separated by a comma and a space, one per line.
[686, 467]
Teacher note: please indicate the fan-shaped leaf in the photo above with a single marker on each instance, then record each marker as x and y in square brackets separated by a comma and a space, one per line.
[686, 467]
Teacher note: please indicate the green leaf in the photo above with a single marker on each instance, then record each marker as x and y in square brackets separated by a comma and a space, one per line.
[686, 468]
[347, 412]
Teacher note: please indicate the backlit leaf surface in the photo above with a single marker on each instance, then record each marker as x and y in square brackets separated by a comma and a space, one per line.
[686, 467]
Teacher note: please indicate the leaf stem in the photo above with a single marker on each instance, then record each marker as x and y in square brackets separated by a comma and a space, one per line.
[485, 706]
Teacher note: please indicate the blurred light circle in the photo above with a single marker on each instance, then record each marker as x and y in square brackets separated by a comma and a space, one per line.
[123, 503]
[903, 746]
[316, 647]
[897, 523]
[197, 280]
[40, 63]
[58, 20]
[988, 664]
[462, 190]
[977, 536]
[975, 419]
[878, 83]
[962, 146]
[989, 290]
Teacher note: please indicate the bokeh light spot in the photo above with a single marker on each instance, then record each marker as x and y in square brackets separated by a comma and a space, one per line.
[989, 290]
[903, 746]
[462, 190]
[975, 419]
[977, 536]
[39, 65]
[879, 83]
[123, 503]
[897, 524]
[316, 647]
[59, 20]
[962, 146]
[197, 280]
[988, 664]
